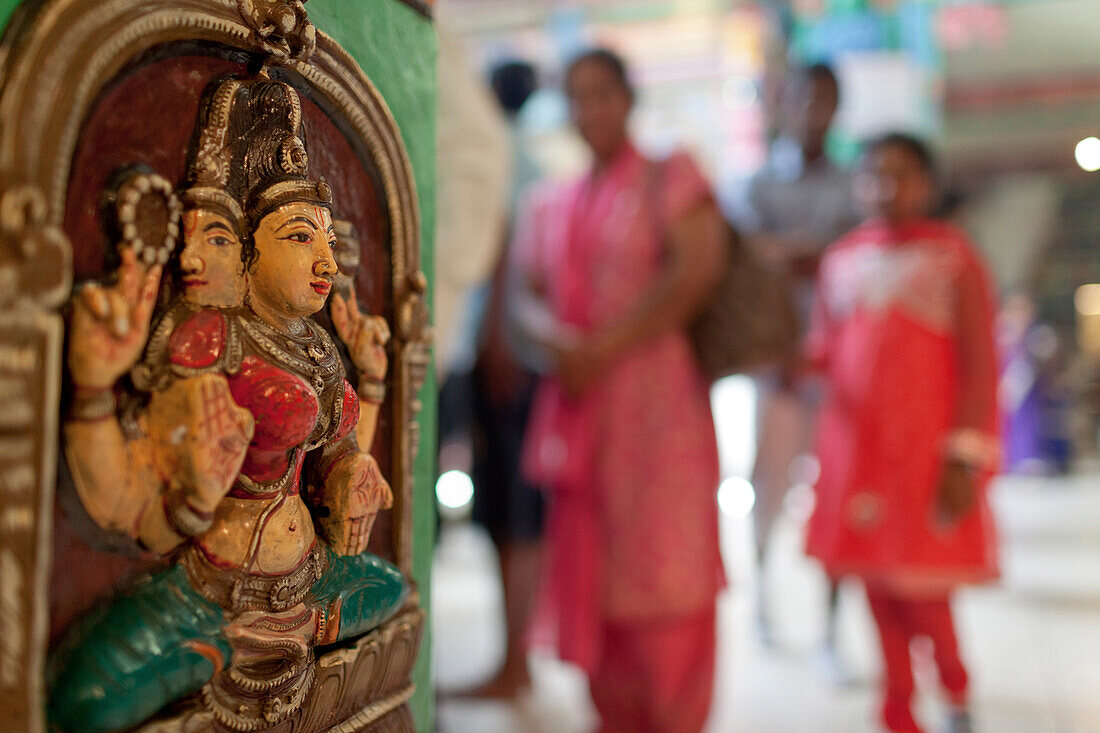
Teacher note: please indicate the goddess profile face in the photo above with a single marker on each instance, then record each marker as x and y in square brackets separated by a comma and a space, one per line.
[294, 270]
[213, 273]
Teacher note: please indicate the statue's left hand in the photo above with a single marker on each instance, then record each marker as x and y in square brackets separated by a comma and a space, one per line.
[365, 336]
[354, 493]
[110, 324]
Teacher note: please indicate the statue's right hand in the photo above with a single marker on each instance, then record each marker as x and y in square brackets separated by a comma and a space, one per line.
[110, 324]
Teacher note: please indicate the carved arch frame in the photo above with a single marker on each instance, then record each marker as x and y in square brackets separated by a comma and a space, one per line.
[55, 58]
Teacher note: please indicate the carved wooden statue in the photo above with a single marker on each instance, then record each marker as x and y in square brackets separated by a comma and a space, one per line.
[210, 421]
[242, 387]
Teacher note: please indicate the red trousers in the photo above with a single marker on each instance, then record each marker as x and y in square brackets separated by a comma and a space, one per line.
[899, 620]
[656, 677]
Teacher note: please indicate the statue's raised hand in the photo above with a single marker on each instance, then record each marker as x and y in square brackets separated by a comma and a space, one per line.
[364, 335]
[200, 438]
[110, 324]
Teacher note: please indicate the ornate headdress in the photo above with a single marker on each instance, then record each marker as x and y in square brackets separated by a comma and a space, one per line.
[270, 166]
[207, 180]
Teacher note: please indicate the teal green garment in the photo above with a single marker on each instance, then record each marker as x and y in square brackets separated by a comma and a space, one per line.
[369, 589]
[134, 655]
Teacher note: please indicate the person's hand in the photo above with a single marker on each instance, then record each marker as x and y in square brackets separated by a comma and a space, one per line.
[365, 336]
[501, 378]
[956, 494]
[353, 494]
[110, 324]
[582, 361]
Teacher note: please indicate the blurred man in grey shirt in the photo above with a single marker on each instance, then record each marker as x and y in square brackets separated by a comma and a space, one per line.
[798, 204]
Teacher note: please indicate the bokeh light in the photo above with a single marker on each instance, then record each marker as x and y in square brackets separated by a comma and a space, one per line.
[1087, 300]
[736, 497]
[1088, 154]
[454, 489]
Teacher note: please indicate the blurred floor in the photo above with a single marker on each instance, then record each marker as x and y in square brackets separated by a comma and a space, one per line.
[1033, 642]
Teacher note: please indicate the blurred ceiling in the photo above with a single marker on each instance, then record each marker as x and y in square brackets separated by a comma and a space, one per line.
[1021, 78]
[1024, 95]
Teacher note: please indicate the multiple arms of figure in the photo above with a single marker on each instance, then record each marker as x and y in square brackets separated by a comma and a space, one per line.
[353, 490]
[366, 337]
[162, 487]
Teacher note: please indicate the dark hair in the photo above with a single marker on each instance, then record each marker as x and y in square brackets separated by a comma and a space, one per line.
[513, 82]
[909, 144]
[822, 72]
[607, 58]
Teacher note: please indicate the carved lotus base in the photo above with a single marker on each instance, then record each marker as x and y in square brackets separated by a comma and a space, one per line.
[361, 688]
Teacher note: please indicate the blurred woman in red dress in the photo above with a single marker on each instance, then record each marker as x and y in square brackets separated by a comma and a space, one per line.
[903, 333]
[614, 266]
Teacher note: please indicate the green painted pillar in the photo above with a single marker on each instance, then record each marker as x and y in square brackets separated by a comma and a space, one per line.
[395, 45]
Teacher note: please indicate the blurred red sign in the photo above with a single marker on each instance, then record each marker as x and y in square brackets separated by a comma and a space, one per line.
[973, 25]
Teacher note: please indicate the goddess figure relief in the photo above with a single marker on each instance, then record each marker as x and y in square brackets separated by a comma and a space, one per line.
[239, 385]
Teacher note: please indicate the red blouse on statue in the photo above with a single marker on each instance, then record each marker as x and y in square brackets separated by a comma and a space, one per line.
[283, 404]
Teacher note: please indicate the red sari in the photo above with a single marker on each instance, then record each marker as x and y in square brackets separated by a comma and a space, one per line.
[631, 466]
[903, 333]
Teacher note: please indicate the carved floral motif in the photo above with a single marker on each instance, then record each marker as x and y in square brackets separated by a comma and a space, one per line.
[284, 30]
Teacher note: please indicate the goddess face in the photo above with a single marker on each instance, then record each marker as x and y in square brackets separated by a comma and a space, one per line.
[213, 273]
[294, 270]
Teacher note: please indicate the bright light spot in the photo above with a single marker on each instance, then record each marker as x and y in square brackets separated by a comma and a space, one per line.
[736, 497]
[454, 489]
[1087, 300]
[733, 401]
[1088, 154]
[739, 92]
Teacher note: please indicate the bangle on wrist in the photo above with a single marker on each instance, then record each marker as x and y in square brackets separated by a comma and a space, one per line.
[185, 520]
[93, 403]
[372, 390]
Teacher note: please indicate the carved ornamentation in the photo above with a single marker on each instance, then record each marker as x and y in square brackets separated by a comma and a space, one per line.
[359, 687]
[414, 340]
[35, 256]
[282, 27]
[365, 687]
[146, 207]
